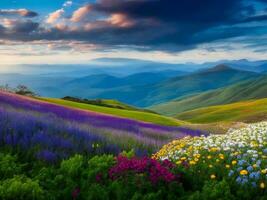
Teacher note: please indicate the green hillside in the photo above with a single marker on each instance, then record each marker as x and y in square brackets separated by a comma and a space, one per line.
[137, 115]
[202, 81]
[246, 90]
[110, 103]
[245, 111]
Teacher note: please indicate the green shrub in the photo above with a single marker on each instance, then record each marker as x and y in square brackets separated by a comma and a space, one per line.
[98, 167]
[8, 166]
[20, 188]
[73, 166]
[214, 191]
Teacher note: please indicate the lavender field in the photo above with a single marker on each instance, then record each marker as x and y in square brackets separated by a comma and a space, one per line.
[51, 132]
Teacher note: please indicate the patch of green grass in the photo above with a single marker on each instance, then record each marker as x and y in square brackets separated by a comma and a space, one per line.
[245, 111]
[242, 91]
[110, 103]
[136, 115]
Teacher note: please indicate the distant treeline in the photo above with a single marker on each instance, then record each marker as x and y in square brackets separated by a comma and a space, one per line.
[20, 89]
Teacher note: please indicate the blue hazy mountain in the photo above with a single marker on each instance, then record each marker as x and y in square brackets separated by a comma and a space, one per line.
[154, 83]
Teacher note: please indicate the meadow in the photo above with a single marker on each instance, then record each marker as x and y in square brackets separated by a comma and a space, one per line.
[54, 151]
[244, 111]
[136, 115]
[28, 122]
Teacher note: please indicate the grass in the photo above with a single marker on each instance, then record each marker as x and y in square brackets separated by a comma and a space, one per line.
[136, 115]
[243, 91]
[245, 111]
[110, 103]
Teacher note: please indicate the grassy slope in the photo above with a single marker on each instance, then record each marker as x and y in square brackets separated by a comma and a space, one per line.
[245, 111]
[202, 81]
[247, 90]
[137, 115]
[110, 103]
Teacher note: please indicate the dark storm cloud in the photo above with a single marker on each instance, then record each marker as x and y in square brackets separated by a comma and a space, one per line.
[171, 25]
[25, 26]
[205, 11]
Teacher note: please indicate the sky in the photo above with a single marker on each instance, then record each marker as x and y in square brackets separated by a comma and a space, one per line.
[173, 31]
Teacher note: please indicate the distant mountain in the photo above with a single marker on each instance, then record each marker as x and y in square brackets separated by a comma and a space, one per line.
[245, 90]
[140, 89]
[108, 81]
[219, 76]
[255, 66]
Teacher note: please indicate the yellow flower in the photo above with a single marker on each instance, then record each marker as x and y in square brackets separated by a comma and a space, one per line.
[243, 172]
[214, 149]
[183, 159]
[255, 166]
[227, 166]
[210, 166]
[209, 157]
[264, 171]
[262, 185]
[234, 162]
[178, 162]
[212, 176]
[192, 162]
[197, 155]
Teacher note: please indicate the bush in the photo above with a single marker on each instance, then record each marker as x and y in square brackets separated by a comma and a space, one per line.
[98, 167]
[21, 188]
[9, 166]
[214, 191]
[73, 166]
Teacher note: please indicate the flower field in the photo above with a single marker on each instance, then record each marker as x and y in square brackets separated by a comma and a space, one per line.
[240, 156]
[54, 152]
[53, 132]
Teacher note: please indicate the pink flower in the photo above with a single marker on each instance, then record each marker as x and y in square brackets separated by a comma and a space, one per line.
[153, 169]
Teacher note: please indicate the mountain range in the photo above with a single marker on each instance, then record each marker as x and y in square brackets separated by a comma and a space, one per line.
[161, 88]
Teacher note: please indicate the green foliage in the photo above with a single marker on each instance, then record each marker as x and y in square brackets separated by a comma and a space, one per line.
[99, 165]
[95, 191]
[214, 190]
[8, 166]
[73, 166]
[128, 154]
[84, 178]
[20, 188]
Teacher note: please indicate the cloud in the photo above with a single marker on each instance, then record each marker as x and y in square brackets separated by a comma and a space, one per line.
[53, 17]
[120, 20]
[25, 26]
[67, 4]
[257, 18]
[145, 24]
[18, 29]
[21, 12]
[81, 13]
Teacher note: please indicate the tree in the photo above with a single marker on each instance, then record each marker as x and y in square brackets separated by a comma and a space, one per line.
[24, 90]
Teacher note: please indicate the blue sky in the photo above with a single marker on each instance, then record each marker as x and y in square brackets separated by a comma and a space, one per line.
[66, 31]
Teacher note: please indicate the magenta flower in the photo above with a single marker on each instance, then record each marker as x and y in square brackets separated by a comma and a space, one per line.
[153, 169]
